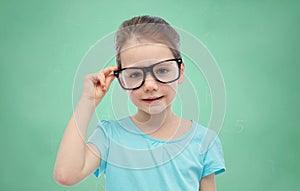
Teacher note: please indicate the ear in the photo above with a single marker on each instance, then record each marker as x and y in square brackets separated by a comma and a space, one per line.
[182, 74]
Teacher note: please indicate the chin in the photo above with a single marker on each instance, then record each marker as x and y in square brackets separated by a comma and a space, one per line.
[156, 109]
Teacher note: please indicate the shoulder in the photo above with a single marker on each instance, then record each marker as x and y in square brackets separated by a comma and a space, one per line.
[115, 127]
[202, 131]
[110, 123]
[205, 137]
[106, 123]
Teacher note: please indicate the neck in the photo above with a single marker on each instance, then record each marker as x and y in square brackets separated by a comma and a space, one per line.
[150, 123]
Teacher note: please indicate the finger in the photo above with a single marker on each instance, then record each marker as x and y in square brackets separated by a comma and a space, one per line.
[102, 79]
[99, 80]
[109, 69]
[109, 79]
[92, 78]
[103, 74]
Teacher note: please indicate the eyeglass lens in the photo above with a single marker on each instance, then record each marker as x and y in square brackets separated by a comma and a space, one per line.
[164, 72]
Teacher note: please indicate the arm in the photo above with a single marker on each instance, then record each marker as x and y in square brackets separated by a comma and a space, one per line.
[75, 159]
[208, 183]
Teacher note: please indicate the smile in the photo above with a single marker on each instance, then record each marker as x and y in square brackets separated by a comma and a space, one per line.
[151, 100]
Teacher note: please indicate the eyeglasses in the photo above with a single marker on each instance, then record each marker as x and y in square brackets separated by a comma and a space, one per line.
[165, 71]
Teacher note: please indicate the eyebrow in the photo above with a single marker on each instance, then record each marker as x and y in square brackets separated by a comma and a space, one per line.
[158, 62]
[142, 64]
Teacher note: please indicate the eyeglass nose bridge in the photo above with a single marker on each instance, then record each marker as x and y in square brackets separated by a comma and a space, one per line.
[150, 70]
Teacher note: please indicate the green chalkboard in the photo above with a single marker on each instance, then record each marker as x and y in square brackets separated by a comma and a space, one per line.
[254, 43]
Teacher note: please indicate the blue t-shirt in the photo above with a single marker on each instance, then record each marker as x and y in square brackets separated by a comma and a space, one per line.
[131, 160]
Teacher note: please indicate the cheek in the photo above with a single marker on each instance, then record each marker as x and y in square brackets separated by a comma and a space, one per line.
[173, 94]
[173, 87]
[134, 96]
[171, 90]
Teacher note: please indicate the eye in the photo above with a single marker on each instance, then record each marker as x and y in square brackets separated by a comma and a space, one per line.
[135, 75]
[162, 71]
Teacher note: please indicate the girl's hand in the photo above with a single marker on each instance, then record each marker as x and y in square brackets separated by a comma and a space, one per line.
[96, 85]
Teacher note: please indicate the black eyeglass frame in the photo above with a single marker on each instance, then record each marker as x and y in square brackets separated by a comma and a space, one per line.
[149, 69]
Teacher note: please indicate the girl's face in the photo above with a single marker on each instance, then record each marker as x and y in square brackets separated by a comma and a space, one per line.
[152, 97]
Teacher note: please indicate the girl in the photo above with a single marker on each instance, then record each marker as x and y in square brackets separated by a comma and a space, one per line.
[154, 149]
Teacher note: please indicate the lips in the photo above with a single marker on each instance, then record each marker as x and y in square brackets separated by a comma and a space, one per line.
[152, 99]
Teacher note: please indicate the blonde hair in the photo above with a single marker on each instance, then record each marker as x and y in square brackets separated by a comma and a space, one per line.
[149, 28]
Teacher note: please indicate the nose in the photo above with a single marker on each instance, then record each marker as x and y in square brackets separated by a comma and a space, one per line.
[150, 83]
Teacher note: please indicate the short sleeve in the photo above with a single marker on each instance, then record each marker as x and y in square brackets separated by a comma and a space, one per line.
[99, 137]
[214, 159]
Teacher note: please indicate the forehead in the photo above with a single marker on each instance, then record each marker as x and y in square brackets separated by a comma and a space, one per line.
[144, 53]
